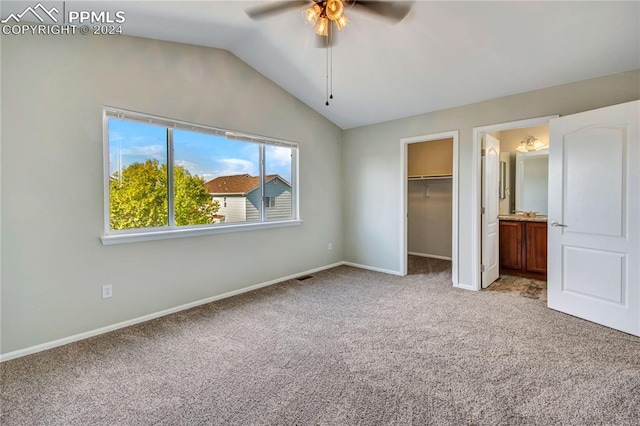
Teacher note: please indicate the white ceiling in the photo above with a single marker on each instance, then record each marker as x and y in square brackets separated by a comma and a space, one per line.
[444, 54]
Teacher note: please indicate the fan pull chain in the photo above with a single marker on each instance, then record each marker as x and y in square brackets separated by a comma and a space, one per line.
[329, 82]
[327, 75]
[331, 61]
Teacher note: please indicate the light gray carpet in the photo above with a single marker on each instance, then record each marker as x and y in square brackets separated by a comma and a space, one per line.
[346, 347]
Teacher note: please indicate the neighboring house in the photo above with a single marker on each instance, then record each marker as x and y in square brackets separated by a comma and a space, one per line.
[239, 197]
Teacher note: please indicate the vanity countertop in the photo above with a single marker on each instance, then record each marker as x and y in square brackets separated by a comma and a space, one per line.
[521, 218]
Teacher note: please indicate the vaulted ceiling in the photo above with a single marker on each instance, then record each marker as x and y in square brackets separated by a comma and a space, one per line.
[443, 54]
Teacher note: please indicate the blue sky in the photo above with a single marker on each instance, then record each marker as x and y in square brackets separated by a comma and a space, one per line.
[207, 156]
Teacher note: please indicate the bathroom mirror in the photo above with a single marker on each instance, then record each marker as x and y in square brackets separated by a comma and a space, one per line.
[532, 179]
[503, 180]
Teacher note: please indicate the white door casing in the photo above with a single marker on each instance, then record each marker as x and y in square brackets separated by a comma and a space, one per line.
[491, 206]
[594, 216]
[404, 206]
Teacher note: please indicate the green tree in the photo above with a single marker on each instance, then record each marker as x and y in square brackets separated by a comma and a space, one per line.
[193, 205]
[138, 197]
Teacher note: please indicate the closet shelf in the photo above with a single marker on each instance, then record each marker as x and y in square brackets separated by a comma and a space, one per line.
[430, 177]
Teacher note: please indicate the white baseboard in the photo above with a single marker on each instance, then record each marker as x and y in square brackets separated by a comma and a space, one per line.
[432, 256]
[372, 268]
[59, 342]
[464, 286]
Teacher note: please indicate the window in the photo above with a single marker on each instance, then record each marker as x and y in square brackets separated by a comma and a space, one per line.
[270, 201]
[168, 177]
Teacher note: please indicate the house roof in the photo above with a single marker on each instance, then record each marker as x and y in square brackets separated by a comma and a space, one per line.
[237, 184]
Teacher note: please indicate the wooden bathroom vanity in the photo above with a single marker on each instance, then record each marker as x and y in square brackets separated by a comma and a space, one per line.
[523, 246]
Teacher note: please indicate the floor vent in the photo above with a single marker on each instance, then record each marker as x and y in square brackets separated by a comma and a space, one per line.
[306, 277]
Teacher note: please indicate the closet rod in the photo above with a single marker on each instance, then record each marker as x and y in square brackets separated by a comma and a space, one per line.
[430, 177]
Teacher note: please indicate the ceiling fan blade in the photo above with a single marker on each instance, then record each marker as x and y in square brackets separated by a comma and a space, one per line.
[393, 10]
[272, 8]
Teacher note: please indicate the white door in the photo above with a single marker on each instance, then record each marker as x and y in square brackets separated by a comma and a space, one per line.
[490, 208]
[594, 215]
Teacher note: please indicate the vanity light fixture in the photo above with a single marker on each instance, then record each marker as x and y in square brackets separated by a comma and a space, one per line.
[531, 144]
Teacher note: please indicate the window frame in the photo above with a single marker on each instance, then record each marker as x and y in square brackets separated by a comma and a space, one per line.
[111, 236]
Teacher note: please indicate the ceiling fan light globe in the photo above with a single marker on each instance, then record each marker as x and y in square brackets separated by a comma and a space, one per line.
[334, 9]
[342, 22]
[322, 26]
[311, 14]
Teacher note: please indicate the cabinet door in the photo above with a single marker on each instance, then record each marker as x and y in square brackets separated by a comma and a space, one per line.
[511, 245]
[536, 247]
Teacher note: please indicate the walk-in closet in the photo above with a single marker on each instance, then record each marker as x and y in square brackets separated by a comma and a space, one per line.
[429, 200]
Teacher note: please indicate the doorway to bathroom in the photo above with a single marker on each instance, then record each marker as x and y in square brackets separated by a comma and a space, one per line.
[513, 182]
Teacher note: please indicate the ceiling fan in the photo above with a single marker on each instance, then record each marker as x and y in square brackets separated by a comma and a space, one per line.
[324, 13]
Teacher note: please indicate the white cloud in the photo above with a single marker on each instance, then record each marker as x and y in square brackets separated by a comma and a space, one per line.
[278, 156]
[115, 137]
[192, 168]
[150, 151]
[207, 176]
[235, 166]
[195, 169]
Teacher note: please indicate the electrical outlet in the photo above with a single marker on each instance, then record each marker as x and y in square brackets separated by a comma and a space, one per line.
[107, 291]
[330, 246]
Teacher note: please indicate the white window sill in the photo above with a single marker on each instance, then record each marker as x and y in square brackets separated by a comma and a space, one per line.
[134, 237]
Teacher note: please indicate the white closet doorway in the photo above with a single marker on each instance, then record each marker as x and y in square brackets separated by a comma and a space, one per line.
[429, 192]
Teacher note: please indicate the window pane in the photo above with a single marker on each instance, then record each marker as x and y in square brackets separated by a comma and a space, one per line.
[278, 182]
[137, 175]
[216, 180]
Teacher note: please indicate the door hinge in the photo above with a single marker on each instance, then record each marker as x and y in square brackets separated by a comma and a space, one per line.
[482, 268]
[482, 210]
[483, 152]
